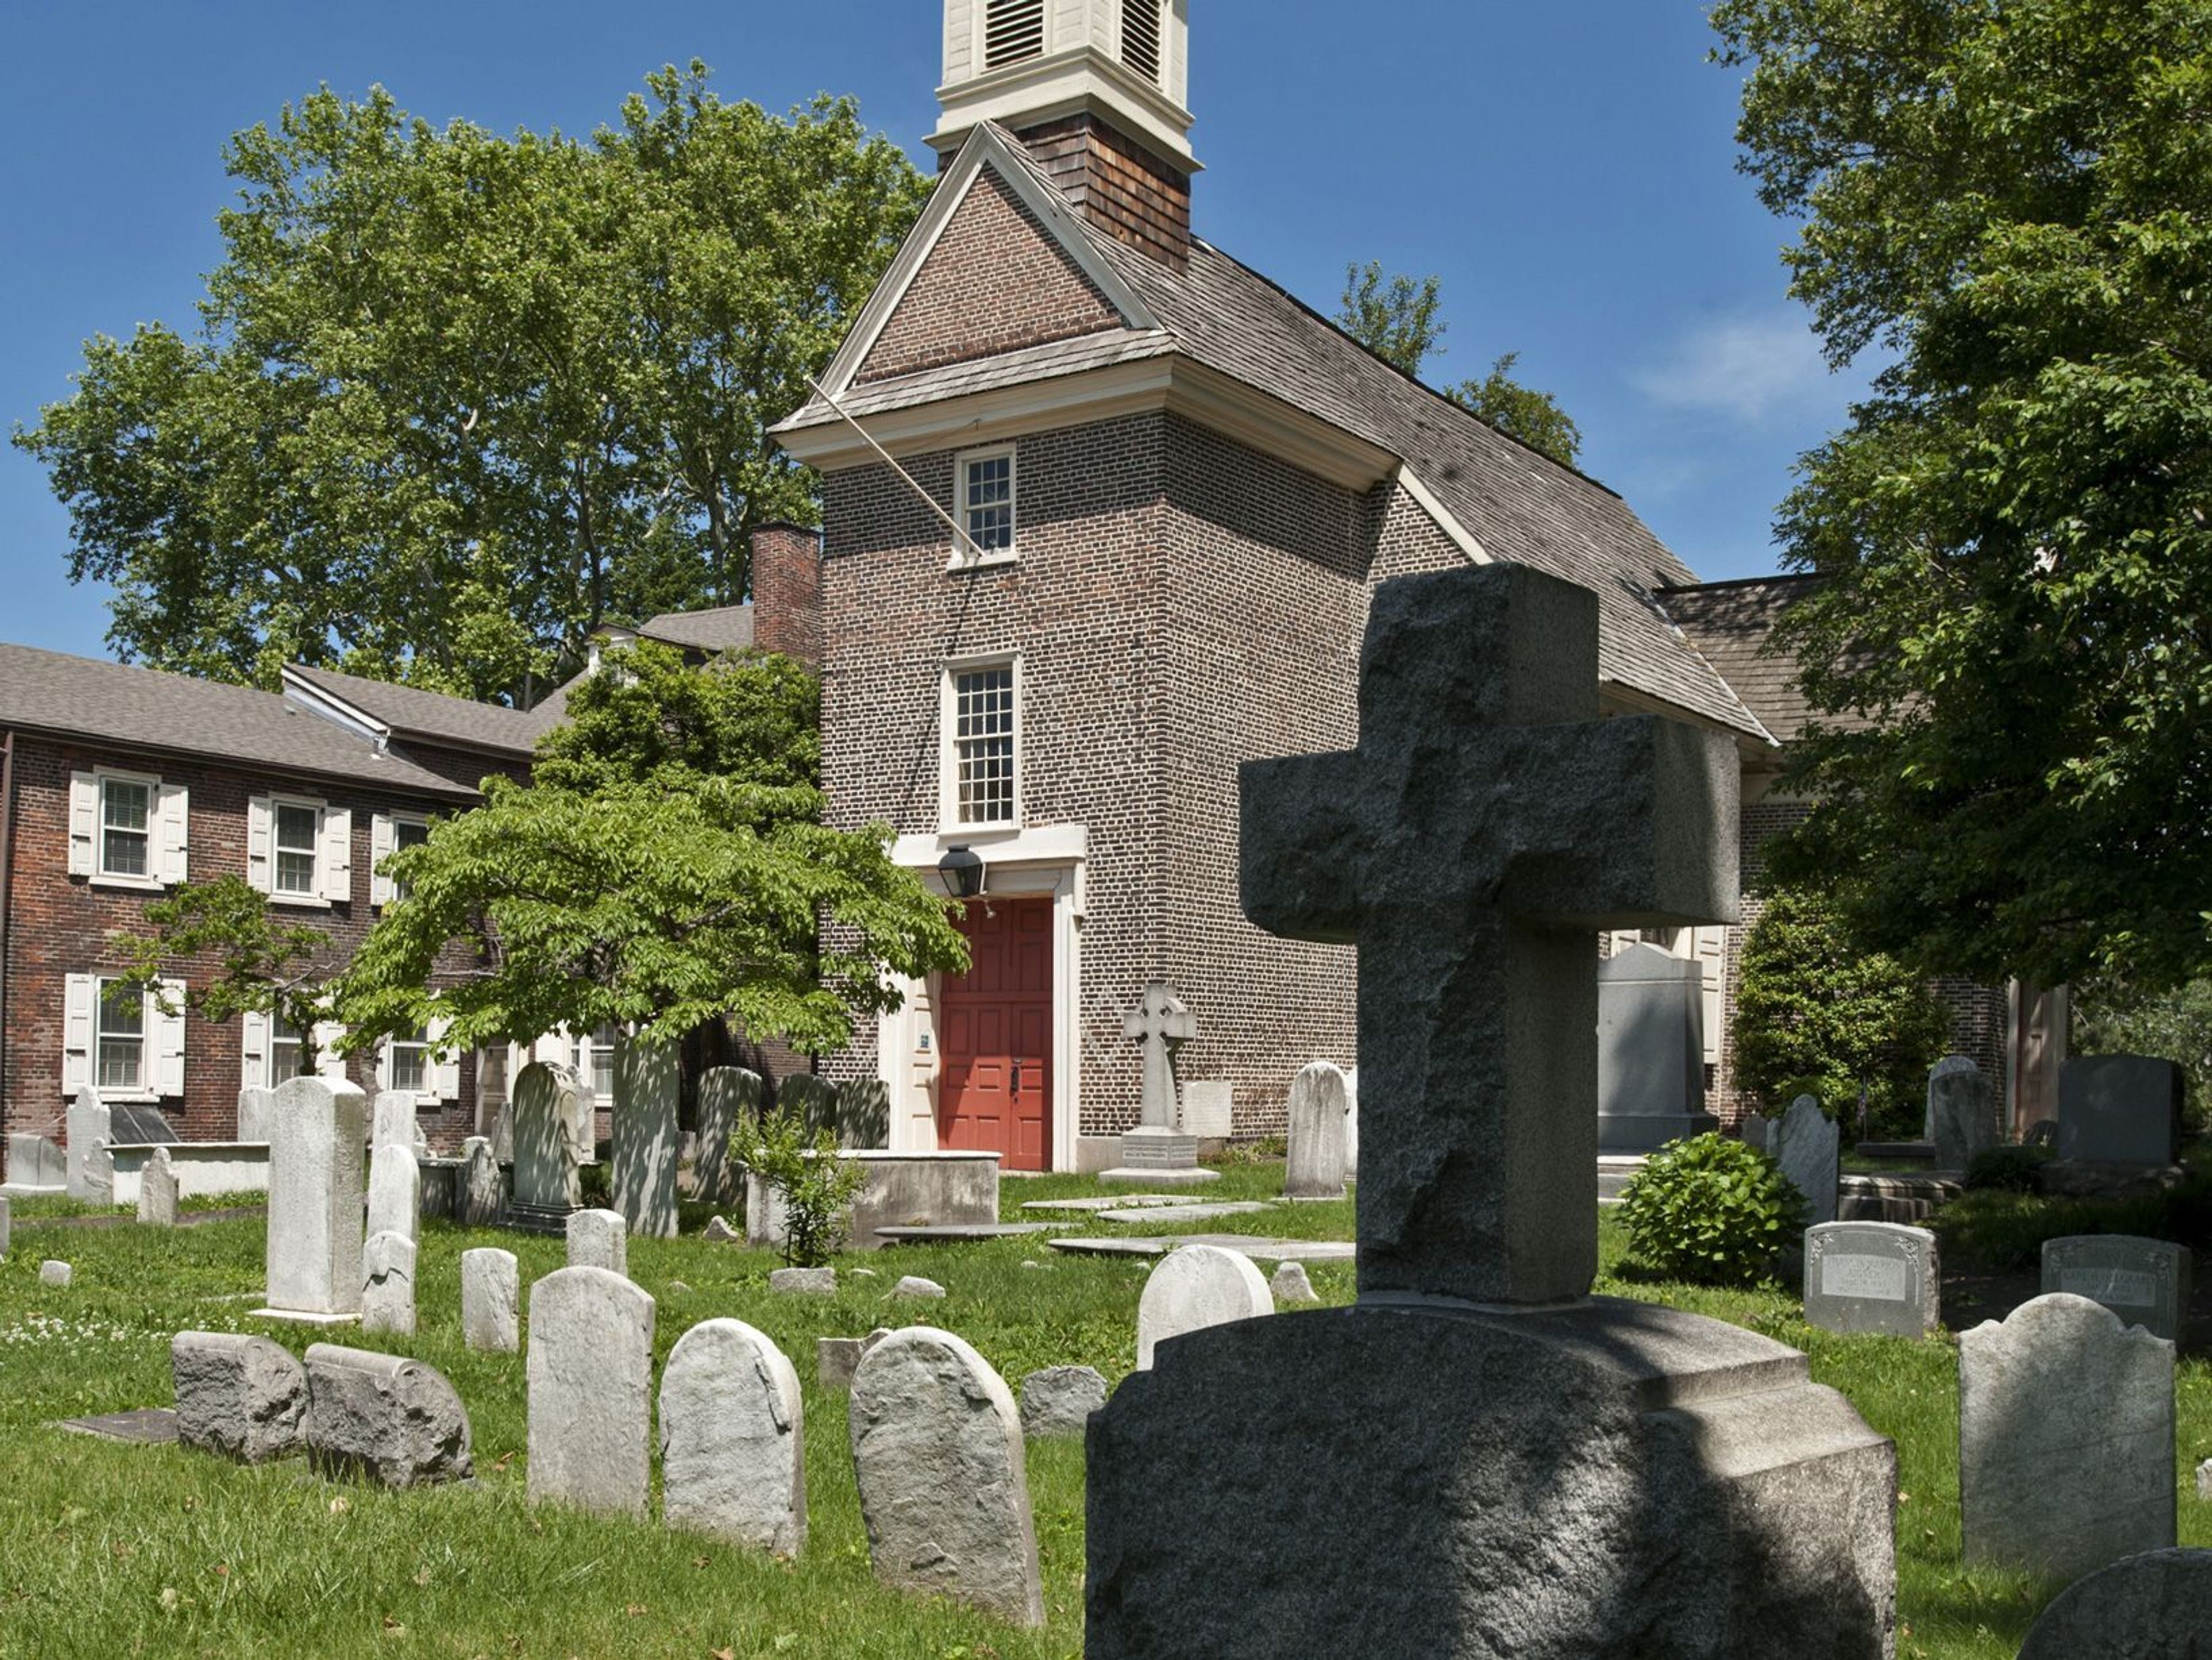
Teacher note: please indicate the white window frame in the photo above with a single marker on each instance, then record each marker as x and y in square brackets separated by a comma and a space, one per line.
[966, 554]
[948, 725]
[140, 1086]
[258, 1044]
[333, 872]
[383, 843]
[168, 830]
[161, 1038]
[442, 1068]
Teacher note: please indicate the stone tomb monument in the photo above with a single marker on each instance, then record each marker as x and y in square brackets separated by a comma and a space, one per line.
[1480, 1458]
[2119, 1109]
[2066, 1424]
[1872, 1277]
[1159, 1149]
[315, 1214]
[1962, 1114]
[552, 1144]
[646, 1089]
[1318, 1160]
[2145, 1282]
[1650, 1051]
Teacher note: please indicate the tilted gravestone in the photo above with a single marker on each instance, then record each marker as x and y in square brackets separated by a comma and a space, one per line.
[2155, 1606]
[2066, 1424]
[732, 1438]
[1314, 1168]
[646, 1086]
[386, 1417]
[491, 1300]
[1298, 1484]
[315, 1235]
[552, 1143]
[728, 1096]
[590, 1370]
[2119, 1109]
[1962, 1115]
[482, 1189]
[1872, 1277]
[1804, 1144]
[157, 1191]
[1650, 1051]
[937, 1452]
[1194, 1288]
[2144, 1281]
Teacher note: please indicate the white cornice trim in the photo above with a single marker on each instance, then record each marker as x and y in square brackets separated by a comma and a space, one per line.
[331, 707]
[1042, 844]
[1039, 89]
[1223, 404]
[984, 147]
[1446, 521]
[1624, 698]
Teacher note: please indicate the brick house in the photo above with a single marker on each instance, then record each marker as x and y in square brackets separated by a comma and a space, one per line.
[1136, 500]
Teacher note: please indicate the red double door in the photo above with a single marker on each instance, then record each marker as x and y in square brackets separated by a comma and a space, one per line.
[995, 1033]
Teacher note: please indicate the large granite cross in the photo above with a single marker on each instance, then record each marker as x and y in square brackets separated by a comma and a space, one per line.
[1162, 1023]
[1488, 823]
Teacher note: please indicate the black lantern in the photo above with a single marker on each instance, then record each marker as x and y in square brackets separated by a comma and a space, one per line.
[962, 871]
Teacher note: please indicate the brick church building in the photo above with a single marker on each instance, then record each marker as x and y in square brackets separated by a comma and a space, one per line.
[1103, 510]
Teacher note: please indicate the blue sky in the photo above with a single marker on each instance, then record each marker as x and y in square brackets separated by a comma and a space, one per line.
[1566, 167]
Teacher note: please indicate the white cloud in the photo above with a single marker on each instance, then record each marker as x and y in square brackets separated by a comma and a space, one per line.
[1747, 368]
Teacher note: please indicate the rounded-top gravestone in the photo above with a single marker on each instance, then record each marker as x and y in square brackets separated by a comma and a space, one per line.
[732, 1438]
[1193, 1287]
[2157, 1605]
[1316, 1165]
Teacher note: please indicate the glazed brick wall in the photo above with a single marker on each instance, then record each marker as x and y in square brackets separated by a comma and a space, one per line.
[996, 283]
[61, 925]
[1977, 1012]
[1118, 184]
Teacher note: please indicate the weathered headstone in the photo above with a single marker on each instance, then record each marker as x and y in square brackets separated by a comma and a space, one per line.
[1159, 1024]
[1289, 1284]
[1872, 1277]
[1804, 1144]
[1316, 1164]
[1059, 1400]
[56, 1273]
[2156, 1606]
[936, 1449]
[1193, 1287]
[646, 1086]
[91, 1168]
[483, 1190]
[813, 1099]
[1756, 1130]
[242, 1396]
[34, 1161]
[590, 1379]
[2066, 1424]
[1650, 1051]
[547, 1161]
[386, 1417]
[804, 1282]
[1300, 1485]
[864, 1113]
[315, 1235]
[732, 1439]
[2144, 1281]
[257, 1112]
[491, 1300]
[391, 1122]
[598, 1239]
[157, 1191]
[387, 1284]
[835, 1359]
[2119, 1109]
[718, 1232]
[140, 1124]
[1962, 1115]
[728, 1097]
[395, 1190]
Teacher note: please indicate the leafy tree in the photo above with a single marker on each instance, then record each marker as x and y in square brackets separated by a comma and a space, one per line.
[2013, 202]
[2111, 1016]
[455, 399]
[813, 1184]
[1395, 317]
[666, 867]
[1816, 1015]
[262, 966]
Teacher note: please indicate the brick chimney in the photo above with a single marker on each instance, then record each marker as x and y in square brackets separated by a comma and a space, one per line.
[787, 592]
[1096, 88]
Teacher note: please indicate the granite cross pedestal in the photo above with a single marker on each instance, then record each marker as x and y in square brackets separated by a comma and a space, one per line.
[1159, 1149]
[1478, 1458]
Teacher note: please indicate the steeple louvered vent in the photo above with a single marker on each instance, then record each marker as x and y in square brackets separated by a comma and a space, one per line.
[1012, 30]
[1140, 38]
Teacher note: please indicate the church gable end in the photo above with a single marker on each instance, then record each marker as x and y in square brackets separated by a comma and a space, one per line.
[996, 282]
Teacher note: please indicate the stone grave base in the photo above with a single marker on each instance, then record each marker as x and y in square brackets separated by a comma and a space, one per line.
[1647, 1132]
[1604, 1478]
[303, 1318]
[538, 1218]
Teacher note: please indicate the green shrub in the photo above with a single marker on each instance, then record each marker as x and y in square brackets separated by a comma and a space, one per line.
[814, 1183]
[1711, 1209]
[2014, 1170]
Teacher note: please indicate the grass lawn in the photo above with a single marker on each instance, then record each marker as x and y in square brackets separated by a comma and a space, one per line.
[108, 1550]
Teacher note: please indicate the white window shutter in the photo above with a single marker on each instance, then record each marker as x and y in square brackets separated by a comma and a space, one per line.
[260, 828]
[380, 842]
[1712, 951]
[328, 1063]
[84, 823]
[80, 993]
[169, 1031]
[445, 1070]
[175, 815]
[334, 865]
[253, 1049]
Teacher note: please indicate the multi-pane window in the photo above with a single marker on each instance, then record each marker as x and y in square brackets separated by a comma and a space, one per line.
[983, 744]
[125, 832]
[603, 1061]
[119, 1040]
[408, 1062]
[297, 830]
[987, 502]
[287, 1050]
[407, 833]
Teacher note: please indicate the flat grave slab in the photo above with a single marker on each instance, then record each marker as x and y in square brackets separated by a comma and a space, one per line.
[1184, 1213]
[140, 1126]
[929, 1233]
[1259, 1249]
[1110, 1201]
[147, 1426]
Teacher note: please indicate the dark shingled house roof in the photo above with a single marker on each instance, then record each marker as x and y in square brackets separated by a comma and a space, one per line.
[86, 698]
[1520, 506]
[1730, 624]
[433, 717]
[724, 628]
